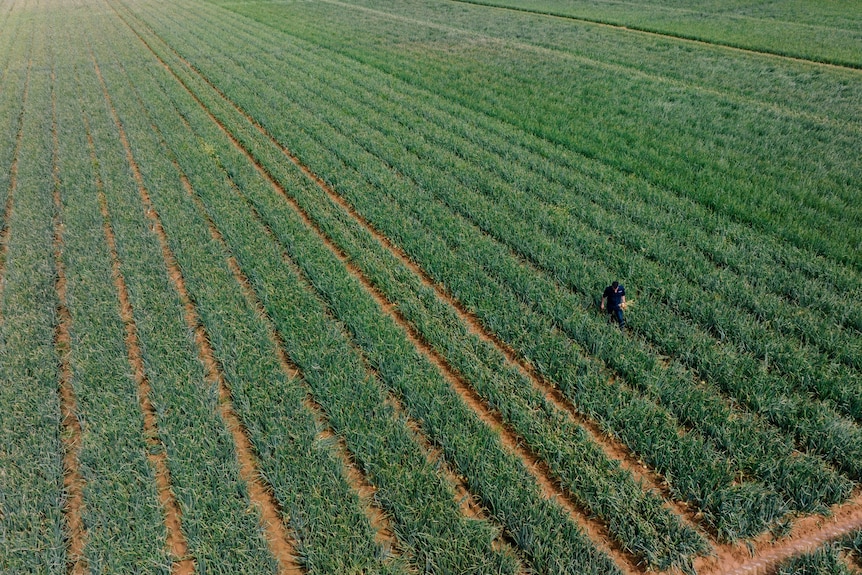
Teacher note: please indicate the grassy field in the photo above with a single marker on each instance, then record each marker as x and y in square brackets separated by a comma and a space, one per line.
[312, 287]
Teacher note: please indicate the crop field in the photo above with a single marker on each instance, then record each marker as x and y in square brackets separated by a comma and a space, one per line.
[294, 286]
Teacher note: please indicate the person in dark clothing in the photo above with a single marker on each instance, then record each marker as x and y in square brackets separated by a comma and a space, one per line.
[615, 298]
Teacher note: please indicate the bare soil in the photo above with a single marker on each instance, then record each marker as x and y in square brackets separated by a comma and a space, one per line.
[806, 534]
[71, 434]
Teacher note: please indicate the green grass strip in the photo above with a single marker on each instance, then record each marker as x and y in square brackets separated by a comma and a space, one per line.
[699, 476]
[221, 527]
[122, 513]
[31, 457]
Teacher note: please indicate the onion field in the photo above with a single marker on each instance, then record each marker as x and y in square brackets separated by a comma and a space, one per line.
[313, 287]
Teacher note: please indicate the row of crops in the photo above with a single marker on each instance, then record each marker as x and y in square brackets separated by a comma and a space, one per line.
[824, 32]
[829, 559]
[409, 344]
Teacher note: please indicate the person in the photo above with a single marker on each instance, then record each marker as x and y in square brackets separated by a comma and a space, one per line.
[615, 298]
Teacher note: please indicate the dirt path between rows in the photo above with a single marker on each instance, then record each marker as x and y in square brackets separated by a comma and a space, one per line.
[71, 436]
[806, 533]
[176, 542]
[355, 477]
[280, 543]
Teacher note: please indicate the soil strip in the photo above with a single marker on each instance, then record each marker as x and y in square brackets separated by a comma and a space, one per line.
[71, 435]
[380, 523]
[280, 543]
[176, 542]
[765, 554]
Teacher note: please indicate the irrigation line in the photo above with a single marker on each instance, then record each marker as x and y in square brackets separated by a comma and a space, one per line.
[280, 544]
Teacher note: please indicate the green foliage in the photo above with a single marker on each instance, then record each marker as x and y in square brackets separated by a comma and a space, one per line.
[826, 32]
[31, 456]
[756, 453]
[122, 513]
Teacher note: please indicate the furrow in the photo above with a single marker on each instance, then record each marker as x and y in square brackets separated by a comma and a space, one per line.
[805, 535]
[270, 516]
[465, 499]
[183, 565]
[384, 534]
[613, 448]
[72, 435]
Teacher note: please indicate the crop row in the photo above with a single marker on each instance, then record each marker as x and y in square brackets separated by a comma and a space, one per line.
[122, 513]
[746, 451]
[219, 524]
[400, 371]
[30, 424]
[697, 473]
[579, 464]
[512, 148]
[730, 368]
[368, 424]
[658, 133]
[825, 36]
[748, 333]
[820, 429]
[423, 505]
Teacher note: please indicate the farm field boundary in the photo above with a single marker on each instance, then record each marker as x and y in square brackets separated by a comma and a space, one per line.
[775, 42]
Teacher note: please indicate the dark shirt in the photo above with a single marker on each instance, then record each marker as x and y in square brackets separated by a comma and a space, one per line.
[615, 298]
